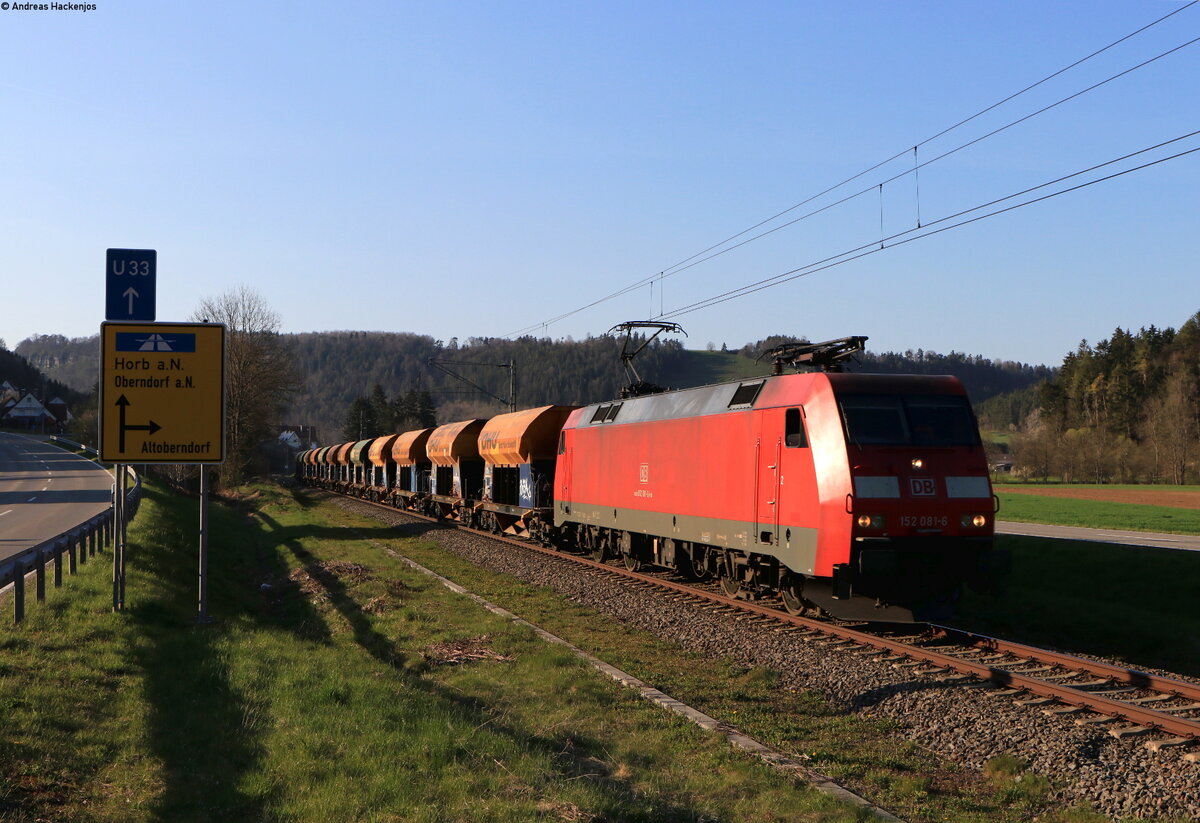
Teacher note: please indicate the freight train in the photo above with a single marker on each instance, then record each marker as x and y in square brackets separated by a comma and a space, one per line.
[861, 496]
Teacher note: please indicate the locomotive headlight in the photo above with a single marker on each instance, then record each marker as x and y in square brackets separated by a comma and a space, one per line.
[918, 463]
[976, 520]
[869, 521]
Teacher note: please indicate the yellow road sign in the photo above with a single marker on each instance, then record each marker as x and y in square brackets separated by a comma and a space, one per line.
[162, 393]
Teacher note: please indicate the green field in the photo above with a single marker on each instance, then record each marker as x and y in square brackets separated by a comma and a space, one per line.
[1130, 602]
[1096, 514]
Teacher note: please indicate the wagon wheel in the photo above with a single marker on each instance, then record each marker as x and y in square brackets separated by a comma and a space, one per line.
[631, 562]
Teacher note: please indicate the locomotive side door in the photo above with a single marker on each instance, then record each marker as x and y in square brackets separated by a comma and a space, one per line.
[767, 452]
[562, 480]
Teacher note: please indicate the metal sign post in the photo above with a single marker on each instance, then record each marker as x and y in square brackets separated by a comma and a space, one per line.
[202, 611]
[124, 543]
[118, 514]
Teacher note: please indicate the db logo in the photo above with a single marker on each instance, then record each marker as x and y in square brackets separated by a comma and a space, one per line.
[922, 486]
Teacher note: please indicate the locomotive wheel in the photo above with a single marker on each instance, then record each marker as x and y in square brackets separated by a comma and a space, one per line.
[625, 542]
[731, 586]
[599, 546]
[685, 568]
[796, 605]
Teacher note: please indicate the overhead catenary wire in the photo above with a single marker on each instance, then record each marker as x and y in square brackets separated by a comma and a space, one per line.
[941, 156]
[941, 133]
[699, 257]
[900, 238]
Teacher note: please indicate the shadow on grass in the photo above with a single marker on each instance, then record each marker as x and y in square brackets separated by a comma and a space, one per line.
[202, 728]
[1130, 602]
[575, 758]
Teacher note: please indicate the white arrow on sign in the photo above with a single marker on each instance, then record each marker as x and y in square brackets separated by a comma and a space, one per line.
[131, 293]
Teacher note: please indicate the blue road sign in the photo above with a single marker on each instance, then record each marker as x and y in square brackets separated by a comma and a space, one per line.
[129, 276]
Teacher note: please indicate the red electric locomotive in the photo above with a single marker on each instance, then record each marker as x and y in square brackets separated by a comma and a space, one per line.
[865, 496]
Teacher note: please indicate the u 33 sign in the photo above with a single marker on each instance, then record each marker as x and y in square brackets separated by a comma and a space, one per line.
[129, 284]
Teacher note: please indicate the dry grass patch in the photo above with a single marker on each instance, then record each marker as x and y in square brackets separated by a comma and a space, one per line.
[456, 652]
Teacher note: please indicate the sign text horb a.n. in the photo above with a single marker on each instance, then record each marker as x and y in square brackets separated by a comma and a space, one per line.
[162, 393]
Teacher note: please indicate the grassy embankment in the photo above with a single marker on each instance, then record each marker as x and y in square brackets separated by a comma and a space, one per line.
[333, 696]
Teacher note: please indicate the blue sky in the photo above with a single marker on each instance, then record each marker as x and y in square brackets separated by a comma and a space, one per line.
[473, 169]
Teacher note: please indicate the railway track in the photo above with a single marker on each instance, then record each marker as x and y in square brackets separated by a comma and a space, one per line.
[1164, 710]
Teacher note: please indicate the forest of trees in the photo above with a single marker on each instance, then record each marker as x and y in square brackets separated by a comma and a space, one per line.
[341, 370]
[1124, 410]
[376, 415]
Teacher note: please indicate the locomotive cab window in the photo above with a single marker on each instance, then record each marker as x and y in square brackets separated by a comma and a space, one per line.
[908, 420]
[793, 430]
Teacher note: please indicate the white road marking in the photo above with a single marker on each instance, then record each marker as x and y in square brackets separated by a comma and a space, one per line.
[30, 500]
[10, 511]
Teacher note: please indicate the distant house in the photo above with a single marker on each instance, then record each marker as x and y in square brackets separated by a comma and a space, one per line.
[29, 413]
[58, 408]
[304, 437]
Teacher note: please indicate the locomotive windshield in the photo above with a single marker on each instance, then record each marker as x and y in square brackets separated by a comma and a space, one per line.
[908, 420]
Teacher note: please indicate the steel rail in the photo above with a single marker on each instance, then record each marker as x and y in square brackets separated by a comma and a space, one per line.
[1132, 677]
[1138, 715]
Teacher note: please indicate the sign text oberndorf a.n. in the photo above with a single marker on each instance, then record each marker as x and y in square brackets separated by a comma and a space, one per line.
[162, 393]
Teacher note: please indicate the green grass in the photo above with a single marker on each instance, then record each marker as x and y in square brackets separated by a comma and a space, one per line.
[325, 696]
[703, 368]
[1134, 603]
[322, 697]
[998, 437]
[1097, 514]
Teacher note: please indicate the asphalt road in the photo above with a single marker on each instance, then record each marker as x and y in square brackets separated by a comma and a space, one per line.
[45, 491]
[1185, 542]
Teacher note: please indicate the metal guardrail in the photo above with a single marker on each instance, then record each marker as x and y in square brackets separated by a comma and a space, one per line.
[55, 439]
[77, 543]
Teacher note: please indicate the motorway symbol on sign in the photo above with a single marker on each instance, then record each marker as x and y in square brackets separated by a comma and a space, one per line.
[162, 393]
[129, 278]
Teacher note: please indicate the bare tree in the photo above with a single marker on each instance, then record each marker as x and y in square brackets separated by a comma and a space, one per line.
[260, 376]
[1171, 425]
